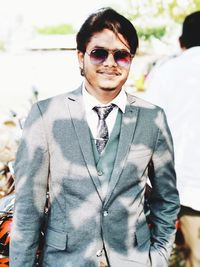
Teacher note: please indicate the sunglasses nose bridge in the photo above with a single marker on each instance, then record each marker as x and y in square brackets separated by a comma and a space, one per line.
[110, 59]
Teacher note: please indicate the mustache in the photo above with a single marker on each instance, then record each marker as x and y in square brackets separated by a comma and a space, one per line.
[109, 72]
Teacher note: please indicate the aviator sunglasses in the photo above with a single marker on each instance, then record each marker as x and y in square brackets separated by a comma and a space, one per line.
[99, 55]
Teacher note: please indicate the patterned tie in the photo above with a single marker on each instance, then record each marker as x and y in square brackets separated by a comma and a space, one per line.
[102, 129]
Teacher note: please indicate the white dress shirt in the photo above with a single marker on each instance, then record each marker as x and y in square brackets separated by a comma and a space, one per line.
[175, 86]
[92, 118]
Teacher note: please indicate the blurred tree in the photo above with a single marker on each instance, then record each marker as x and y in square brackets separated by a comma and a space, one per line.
[57, 29]
[176, 9]
[2, 45]
[152, 17]
[148, 32]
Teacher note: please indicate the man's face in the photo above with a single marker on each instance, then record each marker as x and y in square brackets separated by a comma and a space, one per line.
[107, 76]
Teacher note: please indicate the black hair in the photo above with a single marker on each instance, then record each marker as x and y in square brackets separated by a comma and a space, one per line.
[107, 18]
[191, 31]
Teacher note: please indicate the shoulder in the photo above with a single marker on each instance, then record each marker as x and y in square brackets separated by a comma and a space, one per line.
[57, 101]
[148, 113]
[151, 117]
[142, 103]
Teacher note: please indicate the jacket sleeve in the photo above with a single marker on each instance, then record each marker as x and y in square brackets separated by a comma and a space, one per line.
[164, 200]
[31, 172]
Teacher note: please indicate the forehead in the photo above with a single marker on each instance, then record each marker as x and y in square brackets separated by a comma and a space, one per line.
[108, 39]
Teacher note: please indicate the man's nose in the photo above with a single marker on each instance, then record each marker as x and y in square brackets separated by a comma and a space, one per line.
[110, 61]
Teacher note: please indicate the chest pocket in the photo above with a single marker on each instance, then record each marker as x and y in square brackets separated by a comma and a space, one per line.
[57, 240]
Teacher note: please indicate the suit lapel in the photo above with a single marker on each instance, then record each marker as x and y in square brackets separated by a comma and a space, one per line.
[129, 119]
[78, 118]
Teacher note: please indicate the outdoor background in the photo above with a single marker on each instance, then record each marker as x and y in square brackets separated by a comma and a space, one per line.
[38, 59]
[38, 55]
[37, 44]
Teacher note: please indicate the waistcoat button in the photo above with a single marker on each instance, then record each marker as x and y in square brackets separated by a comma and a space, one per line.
[99, 173]
[105, 213]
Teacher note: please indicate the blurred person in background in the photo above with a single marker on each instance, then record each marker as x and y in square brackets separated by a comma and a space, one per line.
[176, 87]
[97, 146]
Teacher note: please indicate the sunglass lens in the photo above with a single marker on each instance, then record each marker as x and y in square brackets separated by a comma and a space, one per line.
[97, 56]
[122, 57]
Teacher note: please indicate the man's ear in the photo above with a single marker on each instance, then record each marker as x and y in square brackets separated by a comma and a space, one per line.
[80, 58]
[80, 61]
[181, 43]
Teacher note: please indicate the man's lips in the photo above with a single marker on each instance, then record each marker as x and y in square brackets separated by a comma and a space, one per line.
[109, 73]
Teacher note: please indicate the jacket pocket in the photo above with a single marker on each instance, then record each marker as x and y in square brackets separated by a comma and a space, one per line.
[141, 250]
[139, 254]
[142, 235]
[56, 239]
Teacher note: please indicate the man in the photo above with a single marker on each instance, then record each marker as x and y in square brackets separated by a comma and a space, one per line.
[176, 86]
[97, 145]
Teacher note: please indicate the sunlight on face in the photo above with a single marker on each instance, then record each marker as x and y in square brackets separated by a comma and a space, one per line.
[107, 76]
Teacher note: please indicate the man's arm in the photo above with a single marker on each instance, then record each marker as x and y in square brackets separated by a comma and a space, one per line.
[164, 200]
[31, 171]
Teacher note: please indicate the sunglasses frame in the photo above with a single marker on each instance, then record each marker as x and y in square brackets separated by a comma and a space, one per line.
[113, 52]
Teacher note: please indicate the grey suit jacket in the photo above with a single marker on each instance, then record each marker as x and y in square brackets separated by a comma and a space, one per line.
[56, 144]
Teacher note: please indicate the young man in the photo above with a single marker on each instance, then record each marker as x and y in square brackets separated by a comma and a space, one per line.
[175, 86]
[96, 146]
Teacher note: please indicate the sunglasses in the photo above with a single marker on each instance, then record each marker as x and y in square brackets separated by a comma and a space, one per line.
[122, 57]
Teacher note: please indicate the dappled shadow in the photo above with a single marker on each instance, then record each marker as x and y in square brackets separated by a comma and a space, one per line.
[57, 144]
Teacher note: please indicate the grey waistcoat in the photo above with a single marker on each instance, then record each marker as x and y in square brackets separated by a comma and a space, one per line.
[105, 162]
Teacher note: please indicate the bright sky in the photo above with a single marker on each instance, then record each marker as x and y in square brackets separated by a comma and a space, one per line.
[43, 12]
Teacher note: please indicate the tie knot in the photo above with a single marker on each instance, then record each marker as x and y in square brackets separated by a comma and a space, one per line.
[103, 112]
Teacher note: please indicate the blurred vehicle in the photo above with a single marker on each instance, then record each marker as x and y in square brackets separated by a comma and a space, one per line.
[6, 217]
[6, 214]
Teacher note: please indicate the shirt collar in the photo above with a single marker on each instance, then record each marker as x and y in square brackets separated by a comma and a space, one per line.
[90, 101]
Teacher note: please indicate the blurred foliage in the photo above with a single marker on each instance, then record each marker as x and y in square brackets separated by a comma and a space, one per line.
[2, 46]
[176, 9]
[178, 256]
[154, 15]
[57, 29]
[178, 12]
[148, 32]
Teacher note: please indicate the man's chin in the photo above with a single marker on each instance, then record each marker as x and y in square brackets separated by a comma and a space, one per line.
[109, 86]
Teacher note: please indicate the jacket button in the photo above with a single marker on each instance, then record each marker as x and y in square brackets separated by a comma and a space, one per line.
[99, 253]
[99, 173]
[105, 213]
